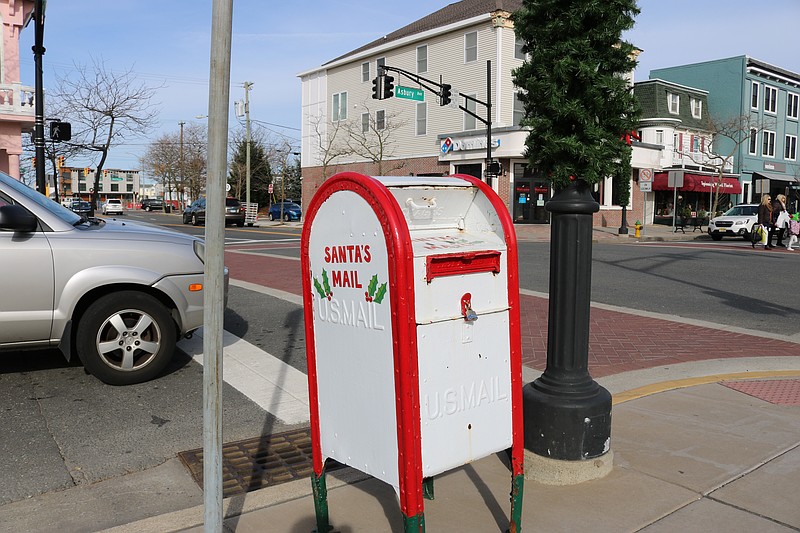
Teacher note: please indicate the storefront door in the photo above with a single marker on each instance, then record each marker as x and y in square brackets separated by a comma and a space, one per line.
[530, 196]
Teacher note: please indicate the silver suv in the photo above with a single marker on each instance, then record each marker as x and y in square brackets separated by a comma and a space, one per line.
[116, 294]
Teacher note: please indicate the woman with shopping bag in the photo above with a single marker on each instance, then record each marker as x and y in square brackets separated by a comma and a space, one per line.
[781, 218]
[765, 221]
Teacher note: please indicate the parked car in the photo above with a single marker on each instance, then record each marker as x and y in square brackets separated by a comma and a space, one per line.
[82, 207]
[735, 222]
[152, 204]
[196, 213]
[115, 294]
[291, 211]
[113, 206]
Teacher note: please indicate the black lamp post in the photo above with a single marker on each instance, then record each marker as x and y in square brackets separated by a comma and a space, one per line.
[567, 414]
[38, 125]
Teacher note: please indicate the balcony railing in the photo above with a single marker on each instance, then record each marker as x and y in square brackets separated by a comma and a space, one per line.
[16, 99]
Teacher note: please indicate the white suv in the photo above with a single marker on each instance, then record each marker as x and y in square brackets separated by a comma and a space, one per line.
[113, 205]
[735, 222]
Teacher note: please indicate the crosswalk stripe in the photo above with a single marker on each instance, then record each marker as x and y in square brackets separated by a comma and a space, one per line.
[273, 385]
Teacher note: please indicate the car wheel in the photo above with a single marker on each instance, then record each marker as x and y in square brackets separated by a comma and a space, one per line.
[272, 217]
[716, 237]
[240, 224]
[125, 338]
[147, 208]
[286, 217]
[195, 222]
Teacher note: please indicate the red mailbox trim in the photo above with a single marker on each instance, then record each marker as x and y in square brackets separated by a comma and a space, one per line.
[461, 263]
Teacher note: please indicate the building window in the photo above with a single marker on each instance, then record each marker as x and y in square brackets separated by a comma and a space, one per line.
[753, 140]
[422, 118]
[364, 122]
[768, 145]
[754, 95]
[770, 99]
[115, 187]
[82, 187]
[379, 63]
[697, 107]
[365, 71]
[129, 187]
[660, 137]
[339, 107]
[518, 53]
[792, 101]
[673, 103]
[422, 58]
[790, 150]
[471, 47]
[519, 110]
[380, 120]
[470, 122]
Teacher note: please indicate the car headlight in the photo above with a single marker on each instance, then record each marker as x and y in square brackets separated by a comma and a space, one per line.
[200, 251]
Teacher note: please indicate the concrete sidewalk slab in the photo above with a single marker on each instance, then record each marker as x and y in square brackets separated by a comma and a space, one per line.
[699, 459]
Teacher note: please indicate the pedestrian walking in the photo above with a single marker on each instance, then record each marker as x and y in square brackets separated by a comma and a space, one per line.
[781, 218]
[765, 221]
[794, 231]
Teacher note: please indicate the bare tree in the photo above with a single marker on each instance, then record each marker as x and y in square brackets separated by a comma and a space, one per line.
[371, 136]
[331, 142]
[737, 131]
[162, 160]
[105, 108]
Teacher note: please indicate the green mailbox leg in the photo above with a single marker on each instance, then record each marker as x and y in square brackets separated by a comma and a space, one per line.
[517, 484]
[320, 502]
[414, 524]
[427, 488]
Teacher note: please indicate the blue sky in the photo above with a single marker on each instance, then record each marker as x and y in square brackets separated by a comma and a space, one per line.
[167, 44]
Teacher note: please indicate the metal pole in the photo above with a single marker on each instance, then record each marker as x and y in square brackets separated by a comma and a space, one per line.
[247, 86]
[488, 120]
[218, 102]
[181, 123]
[38, 126]
[674, 204]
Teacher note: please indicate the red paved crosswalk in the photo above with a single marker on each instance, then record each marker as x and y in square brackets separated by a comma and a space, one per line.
[618, 341]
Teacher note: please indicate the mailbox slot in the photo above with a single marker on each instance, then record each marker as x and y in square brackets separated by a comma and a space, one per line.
[461, 263]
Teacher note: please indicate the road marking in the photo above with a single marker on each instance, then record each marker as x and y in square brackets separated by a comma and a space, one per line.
[270, 383]
[275, 293]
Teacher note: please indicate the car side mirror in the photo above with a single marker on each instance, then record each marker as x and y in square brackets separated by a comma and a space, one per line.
[17, 218]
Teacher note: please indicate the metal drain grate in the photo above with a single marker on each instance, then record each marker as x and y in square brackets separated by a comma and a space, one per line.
[259, 462]
[775, 391]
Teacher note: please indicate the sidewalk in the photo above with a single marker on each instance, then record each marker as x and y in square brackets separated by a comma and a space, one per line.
[722, 456]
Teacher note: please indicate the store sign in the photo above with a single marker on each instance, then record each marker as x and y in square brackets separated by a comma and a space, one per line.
[713, 184]
[470, 143]
[777, 167]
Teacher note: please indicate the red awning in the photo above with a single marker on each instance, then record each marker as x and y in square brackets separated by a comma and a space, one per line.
[699, 183]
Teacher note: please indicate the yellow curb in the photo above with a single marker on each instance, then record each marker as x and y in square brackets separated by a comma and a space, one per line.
[664, 386]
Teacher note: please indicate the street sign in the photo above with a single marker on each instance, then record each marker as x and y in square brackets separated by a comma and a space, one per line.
[645, 174]
[675, 178]
[409, 93]
[645, 186]
[270, 188]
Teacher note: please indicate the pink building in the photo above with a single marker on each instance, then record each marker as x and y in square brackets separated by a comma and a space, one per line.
[16, 100]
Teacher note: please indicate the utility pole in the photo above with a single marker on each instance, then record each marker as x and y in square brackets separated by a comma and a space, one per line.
[247, 86]
[38, 125]
[181, 123]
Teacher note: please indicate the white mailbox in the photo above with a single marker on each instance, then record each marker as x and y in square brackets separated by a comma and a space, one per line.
[411, 300]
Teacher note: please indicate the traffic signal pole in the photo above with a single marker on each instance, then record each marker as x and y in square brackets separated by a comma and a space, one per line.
[382, 89]
[38, 126]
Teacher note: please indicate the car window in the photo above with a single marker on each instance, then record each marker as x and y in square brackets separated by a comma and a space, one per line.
[29, 194]
[232, 202]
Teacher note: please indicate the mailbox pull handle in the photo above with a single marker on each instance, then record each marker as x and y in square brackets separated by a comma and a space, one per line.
[466, 308]
[431, 204]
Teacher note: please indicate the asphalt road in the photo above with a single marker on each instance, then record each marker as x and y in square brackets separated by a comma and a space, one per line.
[64, 431]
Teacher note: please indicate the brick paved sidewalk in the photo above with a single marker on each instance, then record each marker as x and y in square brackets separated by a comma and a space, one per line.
[618, 341]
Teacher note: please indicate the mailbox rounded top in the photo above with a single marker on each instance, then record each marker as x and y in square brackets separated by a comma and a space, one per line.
[576, 198]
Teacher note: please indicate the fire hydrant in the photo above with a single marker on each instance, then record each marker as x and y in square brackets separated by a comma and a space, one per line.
[638, 227]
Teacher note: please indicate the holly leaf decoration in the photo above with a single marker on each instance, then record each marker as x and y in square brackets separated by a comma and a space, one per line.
[320, 291]
[326, 285]
[380, 294]
[373, 284]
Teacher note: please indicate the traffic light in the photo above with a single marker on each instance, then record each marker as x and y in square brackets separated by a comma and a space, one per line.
[61, 161]
[446, 94]
[105, 173]
[376, 91]
[86, 171]
[388, 86]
